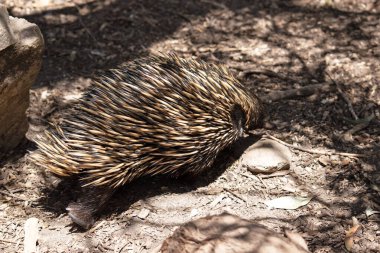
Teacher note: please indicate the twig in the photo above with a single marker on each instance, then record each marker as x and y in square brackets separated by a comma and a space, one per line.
[287, 94]
[276, 174]
[215, 4]
[83, 24]
[259, 179]
[105, 248]
[180, 15]
[121, 249]
[321, 152]
[269, 73]
[345, 98]
[16, 197]
[262, 181]
[251, 177]
[96, 227]
[300, 92]
[358, 127]
[235, 194]
[256, 177]
[8, 241]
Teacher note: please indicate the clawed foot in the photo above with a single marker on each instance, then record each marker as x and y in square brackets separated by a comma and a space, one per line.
[90, 201]
[80, 215]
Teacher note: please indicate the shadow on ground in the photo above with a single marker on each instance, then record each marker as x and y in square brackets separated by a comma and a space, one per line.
[67, 190]
[272, 45]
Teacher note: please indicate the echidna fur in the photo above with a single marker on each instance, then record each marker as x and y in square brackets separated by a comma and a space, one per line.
[156, 115]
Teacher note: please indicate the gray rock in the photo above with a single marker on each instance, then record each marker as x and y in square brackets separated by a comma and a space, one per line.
[229, 233]
[20, 62]
[266, 156]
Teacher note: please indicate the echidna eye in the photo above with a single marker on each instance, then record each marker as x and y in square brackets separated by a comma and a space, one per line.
[238, 117]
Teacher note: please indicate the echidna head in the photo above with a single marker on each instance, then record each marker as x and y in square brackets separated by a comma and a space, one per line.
[257, 116]
[247, 117]
[239, 119]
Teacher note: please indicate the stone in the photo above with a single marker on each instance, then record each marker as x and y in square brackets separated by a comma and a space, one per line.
[266, 156]
[229, 233]
[20, 62]
[7, 36]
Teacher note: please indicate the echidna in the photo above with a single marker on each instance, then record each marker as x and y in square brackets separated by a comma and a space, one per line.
[156, 115]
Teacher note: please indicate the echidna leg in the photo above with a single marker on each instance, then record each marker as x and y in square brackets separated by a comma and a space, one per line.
[90, 201]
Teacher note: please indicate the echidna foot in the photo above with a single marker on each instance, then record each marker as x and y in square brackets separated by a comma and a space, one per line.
[80, 215]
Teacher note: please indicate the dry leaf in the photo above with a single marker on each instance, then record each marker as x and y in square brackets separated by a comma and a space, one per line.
[297, 239]
[349, 239]
[288, 202]
[370, 211]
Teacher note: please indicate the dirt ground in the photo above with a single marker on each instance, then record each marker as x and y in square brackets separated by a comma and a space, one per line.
[270, 46]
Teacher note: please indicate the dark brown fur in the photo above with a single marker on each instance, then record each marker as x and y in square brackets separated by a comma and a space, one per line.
[157, 115]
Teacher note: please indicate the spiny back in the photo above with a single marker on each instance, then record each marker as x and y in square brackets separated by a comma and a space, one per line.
[157, 115]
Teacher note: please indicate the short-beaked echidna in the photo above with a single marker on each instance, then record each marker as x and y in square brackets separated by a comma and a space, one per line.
[156, 115]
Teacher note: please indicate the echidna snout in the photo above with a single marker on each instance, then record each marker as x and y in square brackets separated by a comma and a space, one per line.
[238, 119]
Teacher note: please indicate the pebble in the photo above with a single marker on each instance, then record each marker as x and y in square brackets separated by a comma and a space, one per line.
[266, 156]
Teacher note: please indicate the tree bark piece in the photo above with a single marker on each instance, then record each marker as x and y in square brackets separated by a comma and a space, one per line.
[20, 62]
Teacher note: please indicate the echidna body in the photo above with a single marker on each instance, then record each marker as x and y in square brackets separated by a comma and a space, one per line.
[157, 115]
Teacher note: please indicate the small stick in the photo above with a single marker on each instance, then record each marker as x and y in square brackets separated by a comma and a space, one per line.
[300, 92]
[345, 98]
[262, 181]
[96, 227]
[269, 73]
[252, 177]
[8, 241]
[320, 152]
[83, 24]
[360, 126]
[215, 4]
[16, 197]
[121, 249]
[235, 194]
[276, 174]
[259, 179]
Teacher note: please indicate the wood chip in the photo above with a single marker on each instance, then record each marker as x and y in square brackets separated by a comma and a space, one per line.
[31, 235]
[143, 213]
